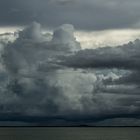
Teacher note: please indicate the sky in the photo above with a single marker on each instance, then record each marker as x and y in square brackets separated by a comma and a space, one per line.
[70, 62]
[97, 22]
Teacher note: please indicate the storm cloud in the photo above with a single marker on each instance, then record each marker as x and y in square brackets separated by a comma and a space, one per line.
[122, 57]
[85, 15]
[47, 78]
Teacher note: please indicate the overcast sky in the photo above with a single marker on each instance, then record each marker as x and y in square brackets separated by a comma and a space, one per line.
[69, 62]
[85, 15]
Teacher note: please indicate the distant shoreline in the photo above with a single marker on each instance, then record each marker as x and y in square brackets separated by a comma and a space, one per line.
[82, 126]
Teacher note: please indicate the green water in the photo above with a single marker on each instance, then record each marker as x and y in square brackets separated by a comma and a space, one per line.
[70, 133]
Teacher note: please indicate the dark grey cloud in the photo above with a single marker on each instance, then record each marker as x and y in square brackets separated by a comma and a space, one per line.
[122, 57]
[124, 85]
[87, 15]
[47, 79]
[125, 57]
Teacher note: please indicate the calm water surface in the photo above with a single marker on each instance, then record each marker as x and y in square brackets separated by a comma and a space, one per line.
[70, 133]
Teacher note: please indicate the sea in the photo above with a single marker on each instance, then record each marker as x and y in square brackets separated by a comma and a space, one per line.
[70, 133]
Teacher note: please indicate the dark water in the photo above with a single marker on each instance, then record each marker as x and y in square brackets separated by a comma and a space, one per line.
[70, 133]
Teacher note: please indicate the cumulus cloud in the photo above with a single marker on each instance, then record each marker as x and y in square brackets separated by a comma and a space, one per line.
[32, 32]
[53, 79]
[31, 71]
[125, 57]
[64, 35]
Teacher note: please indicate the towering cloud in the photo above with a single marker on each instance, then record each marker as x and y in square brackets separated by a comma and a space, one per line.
[34, 78]
[54, 80]
[64, 35]
[32, 32]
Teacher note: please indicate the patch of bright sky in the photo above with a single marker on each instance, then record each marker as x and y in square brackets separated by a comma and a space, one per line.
[112, 38]
[9, 29]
